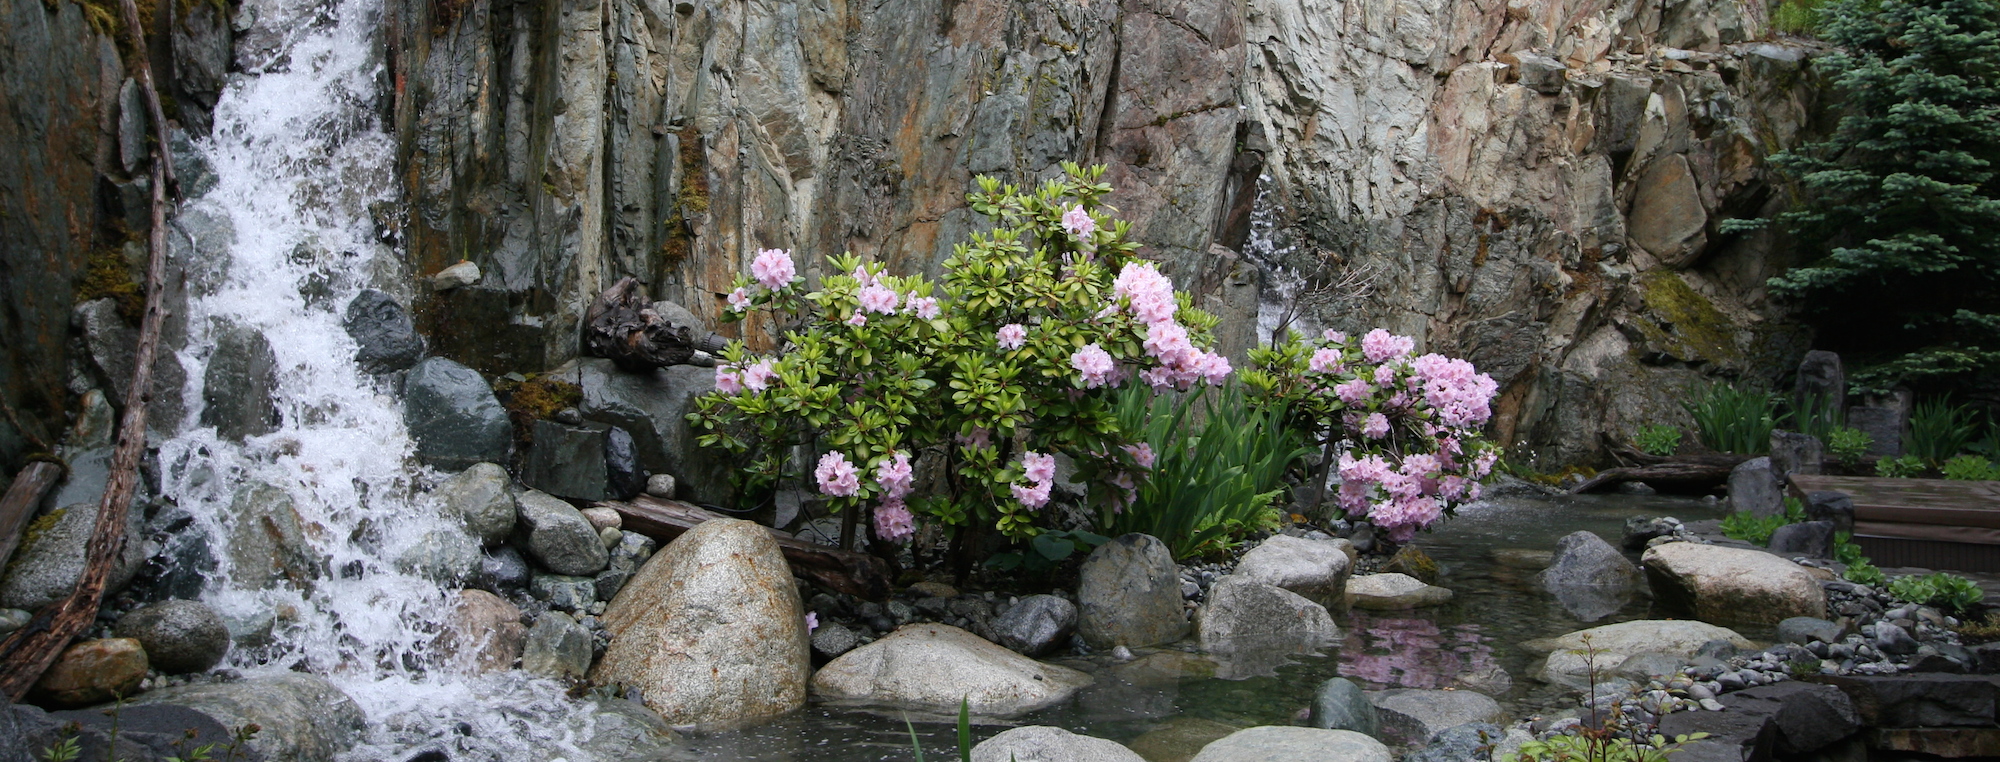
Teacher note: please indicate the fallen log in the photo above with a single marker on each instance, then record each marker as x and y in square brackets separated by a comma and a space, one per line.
[857, 574]
[622, 326]
[1683, 477]
[30, 486]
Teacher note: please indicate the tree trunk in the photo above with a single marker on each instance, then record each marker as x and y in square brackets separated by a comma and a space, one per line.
[18, 506]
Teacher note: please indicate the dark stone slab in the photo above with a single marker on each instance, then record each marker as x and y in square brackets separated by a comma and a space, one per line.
[1918, 700]
[1808, 716]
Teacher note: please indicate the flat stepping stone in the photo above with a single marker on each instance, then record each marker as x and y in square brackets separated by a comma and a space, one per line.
[1393, 592]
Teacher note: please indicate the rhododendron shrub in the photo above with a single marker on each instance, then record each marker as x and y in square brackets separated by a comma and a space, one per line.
[1401, 432]
[948, 401]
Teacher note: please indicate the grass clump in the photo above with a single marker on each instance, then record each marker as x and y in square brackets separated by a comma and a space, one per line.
[1219, 470]
[1734, 419]
[1658, 439]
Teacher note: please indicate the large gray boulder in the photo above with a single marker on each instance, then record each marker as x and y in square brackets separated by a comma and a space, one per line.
[1754, 487]
[1036, 624]
[1041, 743]
[237, 387]
[1731, 585]
[1609, 646]
[1589, 577]
[711, 630]
[934, 666]
[1129, 594]
[304, 717]
[560, 537]
[1251, 628]
[1413, 715]
[454, 417]
[50, 559]
[1273, 743]
[652, 407]
[480, 497]
[385, 338]
[179, 636]
[1315, 569]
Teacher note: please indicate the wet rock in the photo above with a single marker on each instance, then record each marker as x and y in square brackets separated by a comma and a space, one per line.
[832, 639]
[1894, 640]
[1522, 558]
[179, 636]
[1393, 592]
[1795, 453]
[564, 592]
[1569, 665]
[13, 619]
[445, 556]
[502, 571]
[1588, 577]
[1315, 569]
[559, 536]
[1251, 627]
[1041, 743]
[1341, 705]
[661, 486]
[1465, 742]
[556, 647]
[112, 347]
[627, 730]
[465, 273]
[1036, 625]
[480, 497]
[237, 387]
[1806, 716]
[1128, 594]
[569, 461]
[1754, 487]
[93, 672]
[1729, 585]
[386, 339]
[1733, 736]
[934, 666]
[1179, 738]
[1412, 715]
[303, 718]
[1920, 700]
[50, 559]
[453, 416]
[483, 634]
[143, 733]
[668, 636]
[652, 407]
[1812, 539]
[1411, 560]
[1805, 629]
[603, 518]
[1273, 742]
[627, 555]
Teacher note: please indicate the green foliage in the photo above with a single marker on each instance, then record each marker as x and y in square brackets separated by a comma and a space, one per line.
[1658, 439]
[1848, 445]
[1906, 467]
[1939, 430]
[1219, 465]
[1864, 573]
[1941, 590]
[964, 733]
[1754, 529]
[1971, 468]
[1902, 201]
[1815, 416]
[1797, 16]
[1845, 551]
[1047, 549]
[1734, 419]
[66, 750]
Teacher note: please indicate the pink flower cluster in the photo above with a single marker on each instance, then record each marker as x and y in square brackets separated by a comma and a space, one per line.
[892, 518]
[1151, 298]
[925, 307]
[730, 379]
[1078, 223]
[1040, 472]
[1012, 336]
[837, 477]
[879, 299]
[1382, 346]
[773, 268]
[1461, 395]
[1096, 365]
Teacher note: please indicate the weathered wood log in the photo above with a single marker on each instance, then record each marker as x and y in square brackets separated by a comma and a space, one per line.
[622, 326]
[30, 486]
[1666, 477]
[857, 574]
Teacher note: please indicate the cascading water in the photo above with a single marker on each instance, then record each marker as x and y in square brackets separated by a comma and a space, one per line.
[300, 156]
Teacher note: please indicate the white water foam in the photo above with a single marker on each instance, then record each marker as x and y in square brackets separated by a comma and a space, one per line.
[300, 156]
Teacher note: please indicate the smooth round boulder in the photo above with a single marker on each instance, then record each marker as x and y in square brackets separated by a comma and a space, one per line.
[1129, 594]
[479, 496]
[1251, 627]
[1731, 585]
[93, 672]
[1316, 569]
[179, 637]
[1393, 592]
[935, 666]
[1041, 743]
[1272, 743]
[483, 634]
[1036, 624]
[560, 537]
[303, 717]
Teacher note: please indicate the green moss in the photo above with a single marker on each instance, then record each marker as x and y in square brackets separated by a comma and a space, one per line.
[105, 275]
[538, 398]
[35, 530]
[693, 196]
[1685, 323]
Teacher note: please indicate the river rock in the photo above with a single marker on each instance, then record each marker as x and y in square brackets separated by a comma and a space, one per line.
[1805, 629]
[179, 636]
[266, 539]
[50, 559]
[1414, 715]
[1731, 585]
[303, 717]
[603, 518]
[480, 497]
[934, 666]
[14, 619]
[1271, 743]
[1812, 539]
[1830, 506]
[385, 339]
[1393, 592]
[563, 591]
[1041, 743]
[465, 273]
[560, 537]
[1754, 488]
[454, 417]
[652, 406]
[484, 632]
[1250, 627]
[237, 387]
[1458, 744]
[669, 639]
[1036, 624]
[112, 347]
[1129, 594]
[1588, 577]
[556, 647]
[1179, 738]
[1614, 643]
[1315, 569]
[447, 556]
[503, 571]
[624, 731]
[1342, 705]
[569, 461]
[93, 672]
[1413, 561]
[832, 639]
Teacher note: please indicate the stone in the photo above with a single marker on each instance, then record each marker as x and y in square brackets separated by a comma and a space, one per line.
[609, 536]
[934, 666]
[50, 559]
[1894, 640]
[563, 591]
[1393, 592]
[627, 730]
[568, 461]
[1795, 453]
[1835, 507]
[1811, 539]
[1754, 488]
[447, 556]
[1179, 738]
[112, 347]
[1886, 420]
[1411, 560]
[559, 536]
[1805, 629]
[303, 717]
[465, 273]
[1734, 736]
[1821, 383]
[1414, 715]
[143, 733]
[1036, 624]
[928, 589]
[1569, 665]
[1540, 73]
[1949, 743]
[14, 619]
[1457, 744]
[711, 629]
[1667, 216]
[1251, 627]
[661, 486]
[454, 417]
[556, 647]
[1041, 743]
[1640, 530]
[832, 639]
[1315, 569]
[652, 407]
[267, 540]
[1918, 700]
[483, 633]
[603, 518]
[1731, 585]
[93, 672]
[239, 384]
[1342, 705]
[502, 571]
[1807, 716]
[1523, 558]
[179, 637]
[385, 339]
[480, 497]
[1588, 577]
[1271, 742]
[1128, 594]
[624, 476]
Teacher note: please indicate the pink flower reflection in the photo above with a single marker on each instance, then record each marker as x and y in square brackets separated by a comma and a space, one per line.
[1392, 652]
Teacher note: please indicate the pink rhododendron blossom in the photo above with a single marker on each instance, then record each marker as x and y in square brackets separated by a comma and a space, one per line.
[1385, 375]
[1213, 368]
[759, 375]
[979, 437]
[893, 522]
[865, 277]
[1326, 360]
[728, 380]
[1375, 426]
[879, 299]
[1078, 222]
[836, 476]
[1033, 495]
[1150, 293]
[894, 475]
[1142, 454]
[1461, 395]
[1012, 336]
[773, 268]
[1354, 391]
[1334, 336]
[1038, 467]
[857, 319]
[1382, 346]
[812, 621]
[1095, 364]
[925, 307]
[739, 300]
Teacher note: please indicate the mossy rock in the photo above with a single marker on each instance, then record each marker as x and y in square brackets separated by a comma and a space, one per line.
[1682, 323]
[1413, 561]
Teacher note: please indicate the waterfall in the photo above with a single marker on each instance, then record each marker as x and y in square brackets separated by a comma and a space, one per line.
[1271, 248]
[300, 156]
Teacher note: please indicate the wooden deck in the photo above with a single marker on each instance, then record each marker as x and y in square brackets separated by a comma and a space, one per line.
[1930, 523]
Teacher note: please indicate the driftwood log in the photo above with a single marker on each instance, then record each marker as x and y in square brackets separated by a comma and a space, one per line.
[1671, 476]
[622, 326]
[857, 574]
[27, 491]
